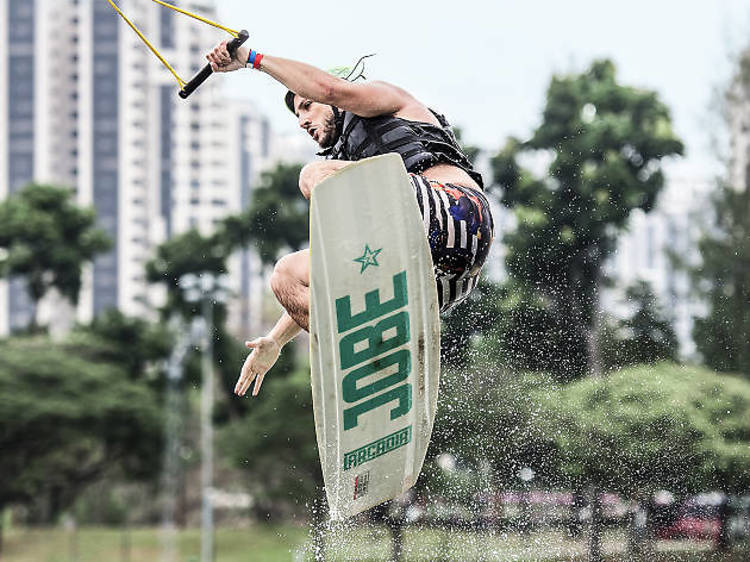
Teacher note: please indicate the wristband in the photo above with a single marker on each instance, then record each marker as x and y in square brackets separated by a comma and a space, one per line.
[254, 59]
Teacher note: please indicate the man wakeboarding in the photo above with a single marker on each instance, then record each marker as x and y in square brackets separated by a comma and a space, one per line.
[351, 121]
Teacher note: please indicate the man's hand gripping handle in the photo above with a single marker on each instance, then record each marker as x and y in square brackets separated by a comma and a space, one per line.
[207, 71]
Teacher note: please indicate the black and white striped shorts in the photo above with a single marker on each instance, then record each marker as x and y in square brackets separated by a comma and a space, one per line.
[459, 227]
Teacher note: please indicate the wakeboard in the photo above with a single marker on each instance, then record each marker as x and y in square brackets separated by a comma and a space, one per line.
[374, 334]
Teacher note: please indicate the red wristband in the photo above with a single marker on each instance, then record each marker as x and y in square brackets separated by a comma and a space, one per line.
[256, 64]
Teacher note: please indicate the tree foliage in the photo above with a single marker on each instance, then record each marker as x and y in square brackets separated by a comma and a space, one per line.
[46, 239]
[135, 345]
[646, 336]
[476, 317]
[636, 431]
[274, 444]
[723, 280]
[277, 219]
[605, 143]
[272, 436]
[649, 428]
[65, 420]
[188, 253]
[489, 415]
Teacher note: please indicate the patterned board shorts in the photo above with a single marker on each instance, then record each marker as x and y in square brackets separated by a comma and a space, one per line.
[459, 228]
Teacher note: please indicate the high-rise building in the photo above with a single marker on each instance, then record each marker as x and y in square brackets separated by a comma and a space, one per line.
[85, 104]
[253, 154]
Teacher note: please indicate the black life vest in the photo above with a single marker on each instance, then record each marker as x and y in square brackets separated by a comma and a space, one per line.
[421, 145]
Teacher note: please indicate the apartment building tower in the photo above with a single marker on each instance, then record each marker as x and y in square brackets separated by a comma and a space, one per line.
[84, 104]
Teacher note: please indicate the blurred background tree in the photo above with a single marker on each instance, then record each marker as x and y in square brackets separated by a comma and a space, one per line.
[604, 142]
[275, 222]
[478, 317]
[277, 219]
[46, 239]
[187, 253]
[645, 429]
[645, 337]
[723, 281]
[68, 417]
[135, 345]
[275, 448]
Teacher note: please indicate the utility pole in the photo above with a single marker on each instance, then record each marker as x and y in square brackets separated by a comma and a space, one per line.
[207, 432]
[207, 289]
[173, 430]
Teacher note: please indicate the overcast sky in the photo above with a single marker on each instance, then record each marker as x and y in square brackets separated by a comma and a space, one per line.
[486, 64]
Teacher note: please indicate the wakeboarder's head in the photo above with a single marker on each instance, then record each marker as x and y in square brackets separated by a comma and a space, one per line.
[317, 119]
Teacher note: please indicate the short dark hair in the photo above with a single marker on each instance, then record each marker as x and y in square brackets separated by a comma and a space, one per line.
[289, 100]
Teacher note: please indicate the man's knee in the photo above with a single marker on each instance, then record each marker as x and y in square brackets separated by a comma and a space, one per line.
[288, 272]
[281, 276]
[309, 177]
[315, 172]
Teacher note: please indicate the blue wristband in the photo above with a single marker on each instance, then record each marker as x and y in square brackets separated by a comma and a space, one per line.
[251, 59]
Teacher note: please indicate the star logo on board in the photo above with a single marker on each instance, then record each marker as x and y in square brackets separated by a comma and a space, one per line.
[370, 257]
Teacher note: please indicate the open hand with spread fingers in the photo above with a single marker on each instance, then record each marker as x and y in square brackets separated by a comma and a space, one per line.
[265, 352]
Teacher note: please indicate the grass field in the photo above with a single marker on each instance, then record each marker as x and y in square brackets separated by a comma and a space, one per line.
[362, 543]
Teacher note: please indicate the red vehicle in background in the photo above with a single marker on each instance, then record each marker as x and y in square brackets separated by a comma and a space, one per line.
[699, 517]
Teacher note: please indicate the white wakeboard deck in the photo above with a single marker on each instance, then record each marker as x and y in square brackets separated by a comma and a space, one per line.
[374, 334]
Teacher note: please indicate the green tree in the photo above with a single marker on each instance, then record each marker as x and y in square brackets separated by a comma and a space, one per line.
[530, 334]
[284, 452]
[646, 336]
[488, 416]
[723, 281]
[277, 219]
[723, 278]
[66, 420]
[274, 443]
[135, 345]
[46, 239]
[193, 253]
[187, 253]
[649, 428]
[605, 142]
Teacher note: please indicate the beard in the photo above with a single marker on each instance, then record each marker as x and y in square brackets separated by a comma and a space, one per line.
[328, 134]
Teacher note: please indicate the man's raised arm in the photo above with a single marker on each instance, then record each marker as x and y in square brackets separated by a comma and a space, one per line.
[367, 99]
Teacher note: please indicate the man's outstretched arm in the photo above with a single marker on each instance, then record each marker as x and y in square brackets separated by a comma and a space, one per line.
[367, 99]
[265, 353]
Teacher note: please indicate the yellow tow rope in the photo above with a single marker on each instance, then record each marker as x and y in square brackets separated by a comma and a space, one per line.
[180, 81]
[197, 17]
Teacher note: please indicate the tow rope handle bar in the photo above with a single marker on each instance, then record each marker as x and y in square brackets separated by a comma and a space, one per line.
[207, 71]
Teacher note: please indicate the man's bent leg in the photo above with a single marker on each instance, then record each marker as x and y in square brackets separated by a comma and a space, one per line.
[290, 283]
